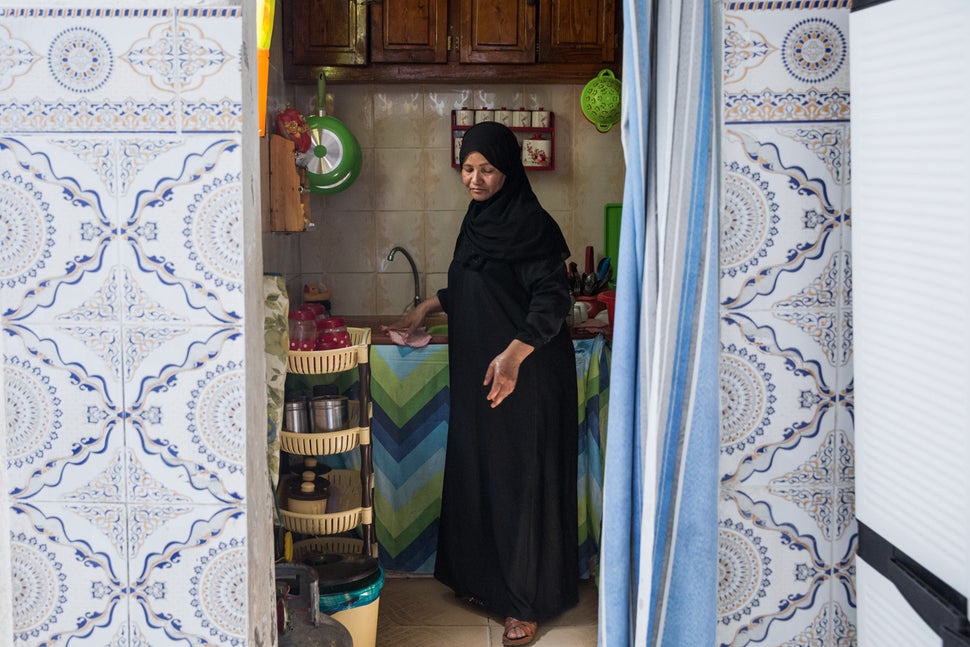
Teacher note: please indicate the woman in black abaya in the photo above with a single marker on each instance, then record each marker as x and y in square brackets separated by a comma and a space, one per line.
[507, 538]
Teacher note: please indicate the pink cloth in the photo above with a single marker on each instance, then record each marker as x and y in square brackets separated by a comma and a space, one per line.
[417, 339]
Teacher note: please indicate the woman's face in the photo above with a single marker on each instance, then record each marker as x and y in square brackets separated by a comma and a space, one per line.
[481, 178]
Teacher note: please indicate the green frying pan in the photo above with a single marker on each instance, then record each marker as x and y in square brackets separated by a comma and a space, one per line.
[335, 150]
[341, 183]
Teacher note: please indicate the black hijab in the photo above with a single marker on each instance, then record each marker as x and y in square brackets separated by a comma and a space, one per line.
[511, 225]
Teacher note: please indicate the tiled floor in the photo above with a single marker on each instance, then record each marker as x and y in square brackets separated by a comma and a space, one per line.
[422, 612]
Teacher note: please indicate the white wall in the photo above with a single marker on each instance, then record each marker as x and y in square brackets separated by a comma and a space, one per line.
[135, 510]
[787, 522]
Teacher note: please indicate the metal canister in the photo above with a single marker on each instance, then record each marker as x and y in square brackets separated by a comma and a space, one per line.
[295, 417]
[330, 413]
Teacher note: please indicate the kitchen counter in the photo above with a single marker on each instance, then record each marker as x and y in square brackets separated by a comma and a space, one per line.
[378, 338]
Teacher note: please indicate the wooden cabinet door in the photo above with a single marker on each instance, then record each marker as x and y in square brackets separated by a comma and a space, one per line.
[409, 31]
[497, 31]
[326, 32]
[577, 31]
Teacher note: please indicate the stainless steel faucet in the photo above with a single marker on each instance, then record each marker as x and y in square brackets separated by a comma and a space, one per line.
[414, 270]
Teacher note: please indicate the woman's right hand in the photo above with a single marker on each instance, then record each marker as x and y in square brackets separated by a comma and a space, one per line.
[413, 318]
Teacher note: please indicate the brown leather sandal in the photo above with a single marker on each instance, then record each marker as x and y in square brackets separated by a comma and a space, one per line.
[527, 629]
[471, 599]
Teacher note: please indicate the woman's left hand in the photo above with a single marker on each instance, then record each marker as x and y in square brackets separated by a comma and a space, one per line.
[503, 371]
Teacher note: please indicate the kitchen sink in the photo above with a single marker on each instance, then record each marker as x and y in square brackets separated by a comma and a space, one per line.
[437, 325]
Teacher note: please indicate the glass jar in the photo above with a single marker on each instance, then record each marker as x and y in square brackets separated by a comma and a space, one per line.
[320, 326]
[332, 333]
[319, 312]
[303, 330]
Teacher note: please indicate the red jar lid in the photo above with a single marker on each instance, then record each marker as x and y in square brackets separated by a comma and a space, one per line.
[332, 322]
[316, 308]
[300, 315]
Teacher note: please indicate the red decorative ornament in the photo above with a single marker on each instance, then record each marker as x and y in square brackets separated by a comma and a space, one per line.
[291, 124]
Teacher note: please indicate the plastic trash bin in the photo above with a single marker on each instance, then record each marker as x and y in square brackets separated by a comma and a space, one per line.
[350, 590]
[298, 593]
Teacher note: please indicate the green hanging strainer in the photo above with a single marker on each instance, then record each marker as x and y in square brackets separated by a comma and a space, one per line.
[600, 101]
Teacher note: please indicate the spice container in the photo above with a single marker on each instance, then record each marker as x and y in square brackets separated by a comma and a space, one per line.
[303, 330]
[521, 118]
[536, 152]
[465, 117]
[332, 333]
[540, 118]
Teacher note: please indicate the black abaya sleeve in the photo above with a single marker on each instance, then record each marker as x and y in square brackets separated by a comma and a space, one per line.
[549, 299]
[443, 299]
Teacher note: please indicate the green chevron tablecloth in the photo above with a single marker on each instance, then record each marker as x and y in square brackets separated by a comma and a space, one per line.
[409, 431]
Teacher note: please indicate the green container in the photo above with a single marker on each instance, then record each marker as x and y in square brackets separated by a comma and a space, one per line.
[612, 215]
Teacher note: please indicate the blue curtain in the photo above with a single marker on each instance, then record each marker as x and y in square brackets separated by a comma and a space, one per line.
[658, 577]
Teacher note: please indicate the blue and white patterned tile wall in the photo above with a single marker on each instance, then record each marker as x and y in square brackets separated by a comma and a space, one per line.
[787, 518]
[121, 295]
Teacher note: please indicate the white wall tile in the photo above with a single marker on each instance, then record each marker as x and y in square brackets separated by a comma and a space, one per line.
[68, 570]
[62, 426]
[123, 304]
[187, 430]
[100, 72]
[399, 119]
[354, 293]
[770, 574]
[786, 369]
[196, 587]
[796, 50]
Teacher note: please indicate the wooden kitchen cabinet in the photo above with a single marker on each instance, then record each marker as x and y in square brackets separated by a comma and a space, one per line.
[409, 31]
[575, 31]
[537, 31]
[325, 32]
[427, 41]
[497, 31]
